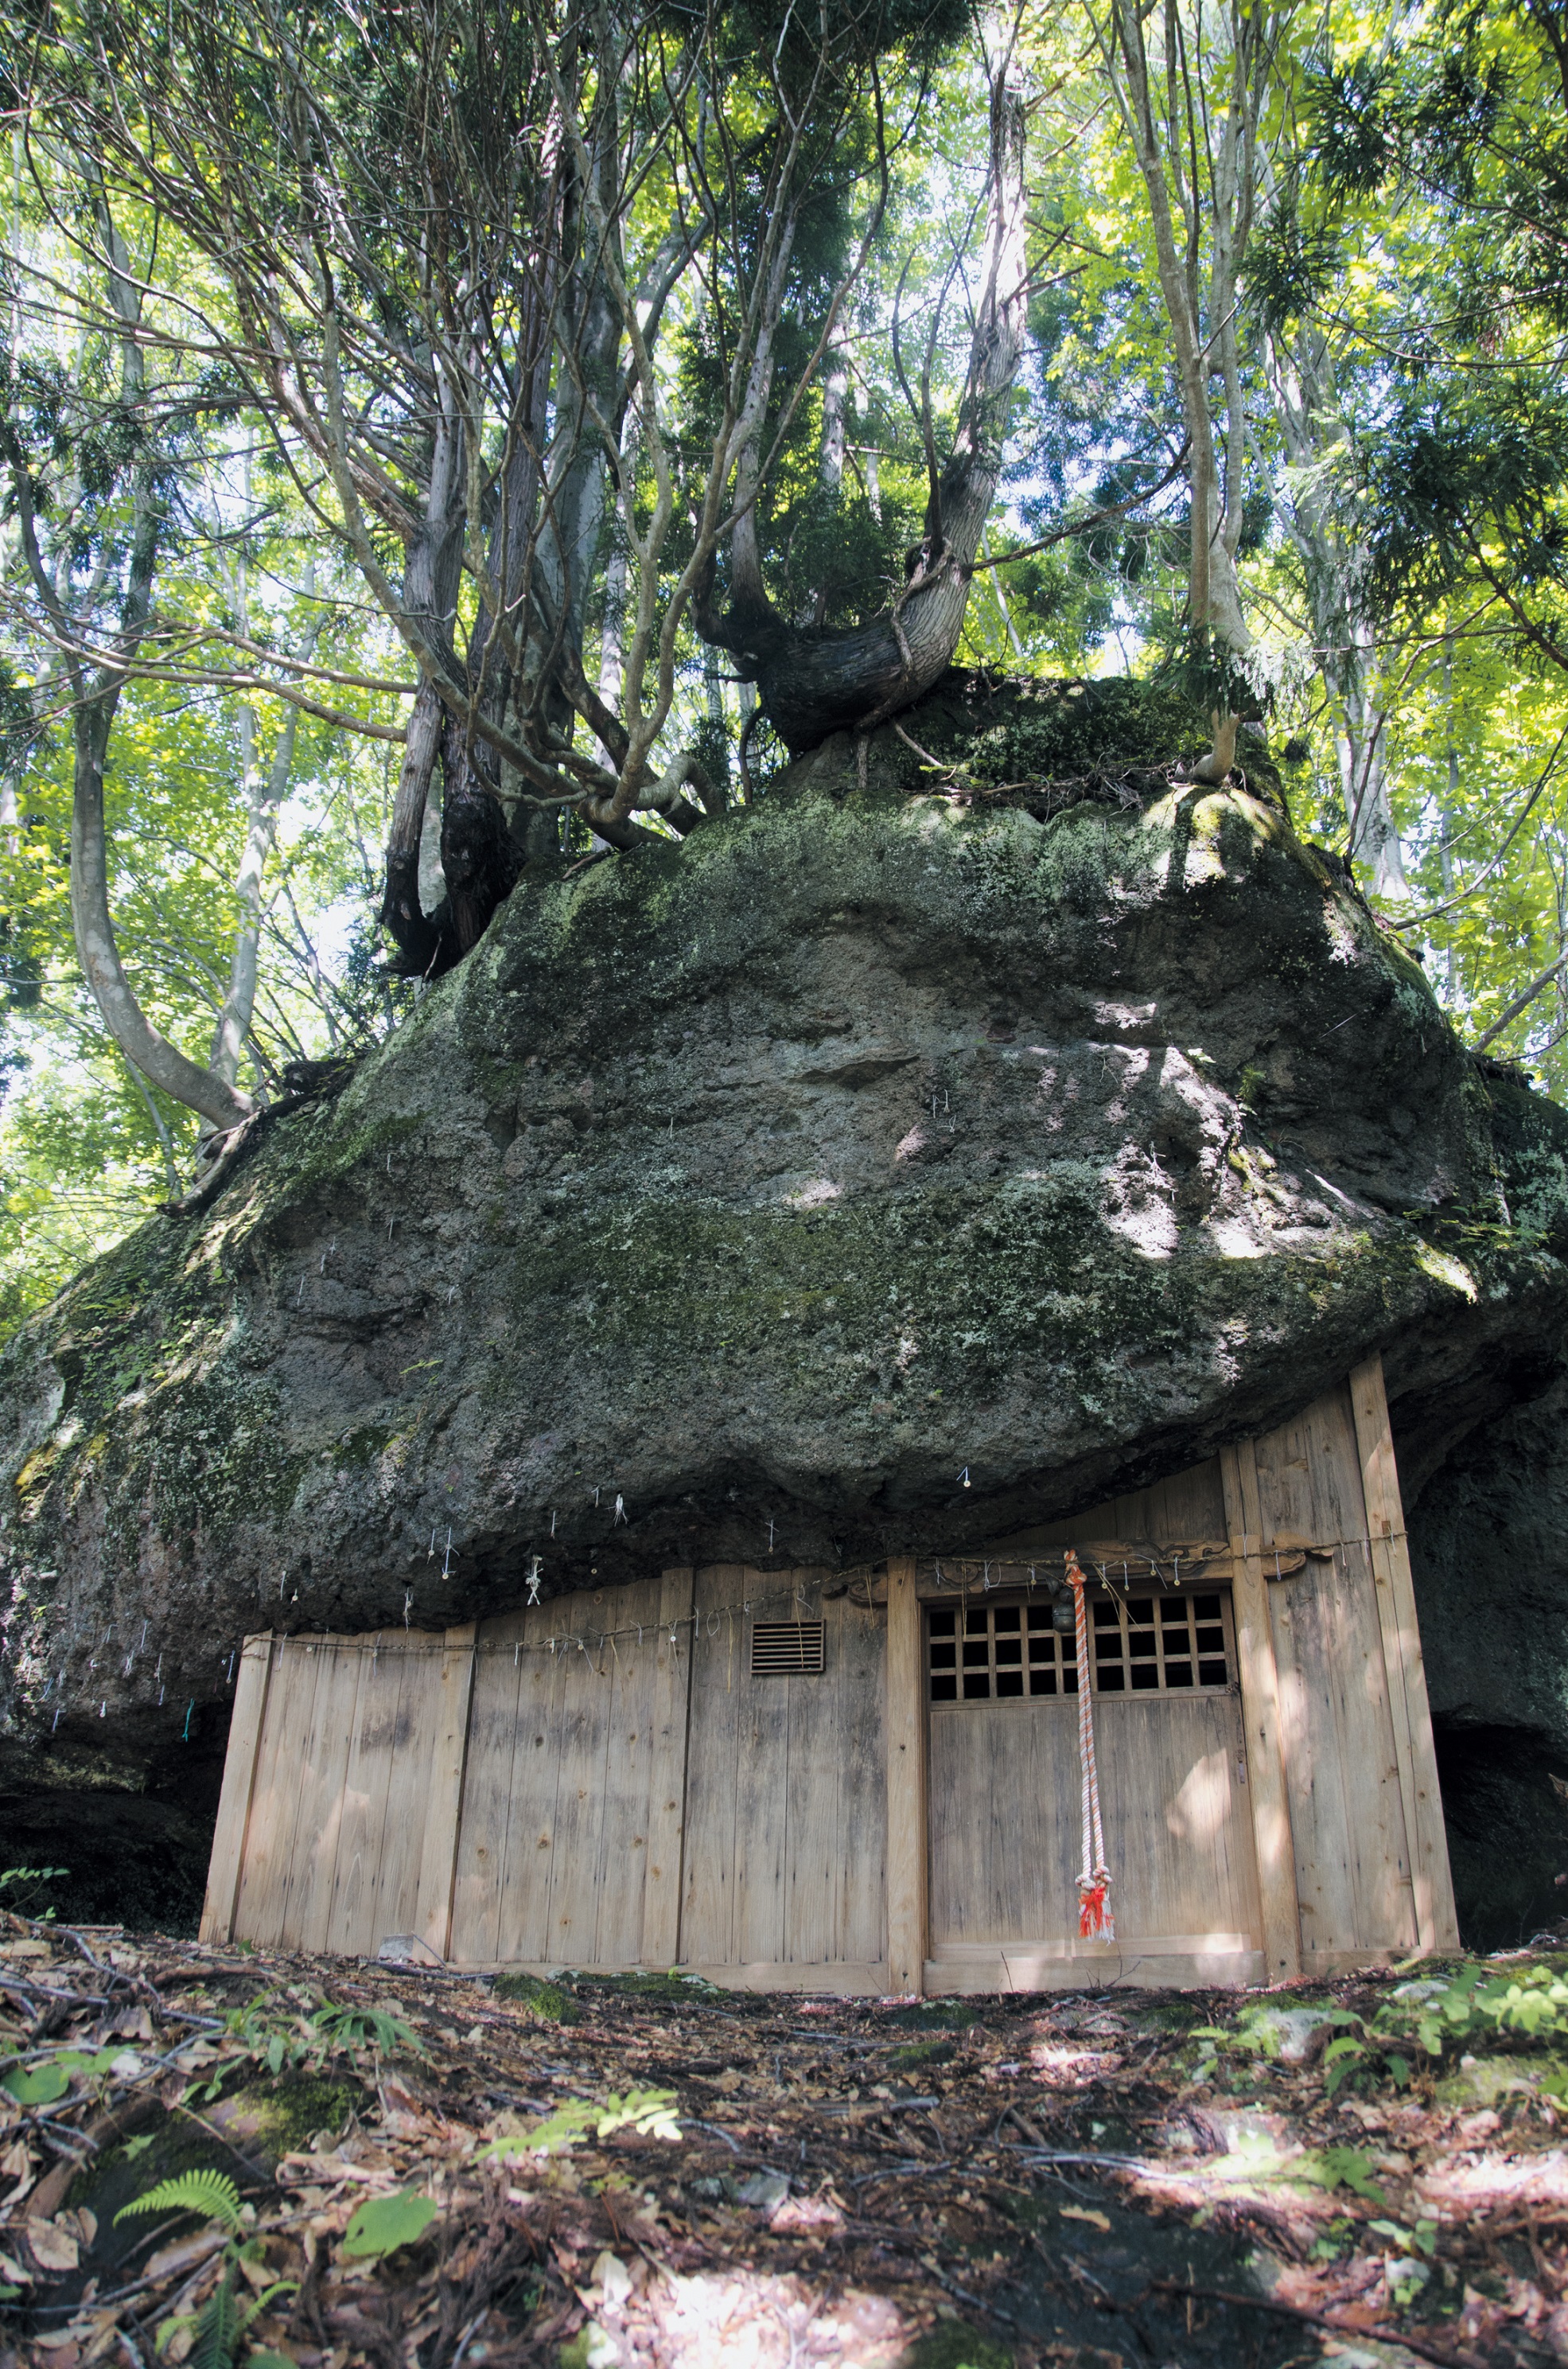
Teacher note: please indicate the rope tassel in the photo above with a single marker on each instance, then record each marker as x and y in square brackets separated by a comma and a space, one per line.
[1095, 1922]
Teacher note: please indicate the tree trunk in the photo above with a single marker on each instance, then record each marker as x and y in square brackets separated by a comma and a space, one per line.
[141, 1043]
[415, 935]
[478, 858]
[809, 684]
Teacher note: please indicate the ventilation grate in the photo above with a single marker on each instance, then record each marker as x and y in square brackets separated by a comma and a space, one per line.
[779, 1648]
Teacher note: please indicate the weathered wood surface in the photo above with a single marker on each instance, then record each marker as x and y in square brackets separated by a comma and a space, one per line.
[438, 1860]
[1263, 1721]
[1436, 1920]
[1353, 1868]
[907, 1782]
[240, 1765]
[784, 1845]
[1005, 1843]
[553, 1850]
[646, 1801]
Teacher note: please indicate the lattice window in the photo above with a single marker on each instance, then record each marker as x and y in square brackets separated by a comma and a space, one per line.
[1161, 1644]
[782, 1648]
[1145, 1644]
[987, 1653]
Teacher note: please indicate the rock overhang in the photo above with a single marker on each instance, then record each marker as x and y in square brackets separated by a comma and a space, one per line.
[736, 1201]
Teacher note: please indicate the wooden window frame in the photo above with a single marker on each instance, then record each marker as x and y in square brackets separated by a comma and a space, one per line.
[972, 1642]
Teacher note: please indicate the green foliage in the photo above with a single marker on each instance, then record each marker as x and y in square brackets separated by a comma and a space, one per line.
[38, 2086]
[1421, 2023]
[1338, 2167]
[210, 2195]
[648, 2113]
[218, 2329]
[26, 1881]
[382, 2224]
[279, 2031]
[372, 2028]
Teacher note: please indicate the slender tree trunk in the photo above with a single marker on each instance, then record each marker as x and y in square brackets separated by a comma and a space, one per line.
[97, 951]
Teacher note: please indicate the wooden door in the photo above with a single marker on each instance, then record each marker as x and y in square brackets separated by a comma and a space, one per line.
[1003, 1790]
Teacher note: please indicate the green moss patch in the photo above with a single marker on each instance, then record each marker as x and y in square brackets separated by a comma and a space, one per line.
[551, 2002]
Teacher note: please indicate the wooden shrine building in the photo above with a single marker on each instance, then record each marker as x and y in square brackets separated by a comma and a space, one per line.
[796, 1781]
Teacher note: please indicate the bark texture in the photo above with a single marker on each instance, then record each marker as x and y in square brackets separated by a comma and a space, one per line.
[765, 1184]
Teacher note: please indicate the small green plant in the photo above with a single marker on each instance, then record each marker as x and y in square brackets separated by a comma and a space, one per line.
[25, 1881]
[648, 2113]
[1444, 2013]
[365, 2026]
[1422, 2239]
[277, 2031]
[217, 2329]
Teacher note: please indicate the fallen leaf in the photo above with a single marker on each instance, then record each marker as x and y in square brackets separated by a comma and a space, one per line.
[51, 2248]
[1086, 2213]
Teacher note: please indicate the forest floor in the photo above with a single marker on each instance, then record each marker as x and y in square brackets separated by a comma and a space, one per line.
[427, 2174]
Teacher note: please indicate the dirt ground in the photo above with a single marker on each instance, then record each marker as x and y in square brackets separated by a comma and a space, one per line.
[427, 2173]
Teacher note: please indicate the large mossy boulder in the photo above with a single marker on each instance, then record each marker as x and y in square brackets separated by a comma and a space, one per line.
[907, 1159]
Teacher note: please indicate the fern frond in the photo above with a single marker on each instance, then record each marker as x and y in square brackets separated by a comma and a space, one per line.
[209, 2195]
[218, 2327]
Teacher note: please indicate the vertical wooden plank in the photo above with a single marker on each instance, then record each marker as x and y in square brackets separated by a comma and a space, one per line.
[407, 1782]
[1353, 1886]
[581, 1742]
[264, 1874]
[762, 1778]
[291, 1786]
[494, 1726]
[227, 1862]
[620, 1845]
[712, 1838]
[813, 1784]
[443, 1808]
[1260, 1719]
[667, 1779]
[860, 1917]
[905, 1726]
[358, 1875]
[1435, 1919]
[523, 1833]
[315, 1855]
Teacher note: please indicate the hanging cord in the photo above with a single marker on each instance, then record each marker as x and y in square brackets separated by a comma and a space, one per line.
[1095, 1920]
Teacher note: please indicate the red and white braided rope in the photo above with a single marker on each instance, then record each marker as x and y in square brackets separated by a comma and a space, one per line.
[1095, 1920]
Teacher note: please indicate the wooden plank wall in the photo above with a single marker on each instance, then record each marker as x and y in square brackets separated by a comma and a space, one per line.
[1348, 1811]
[563, 1752]
[786, 1789]
[345, 1760]
[614, 1804]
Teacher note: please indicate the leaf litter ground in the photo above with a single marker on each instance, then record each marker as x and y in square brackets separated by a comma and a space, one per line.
[428, 2172]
